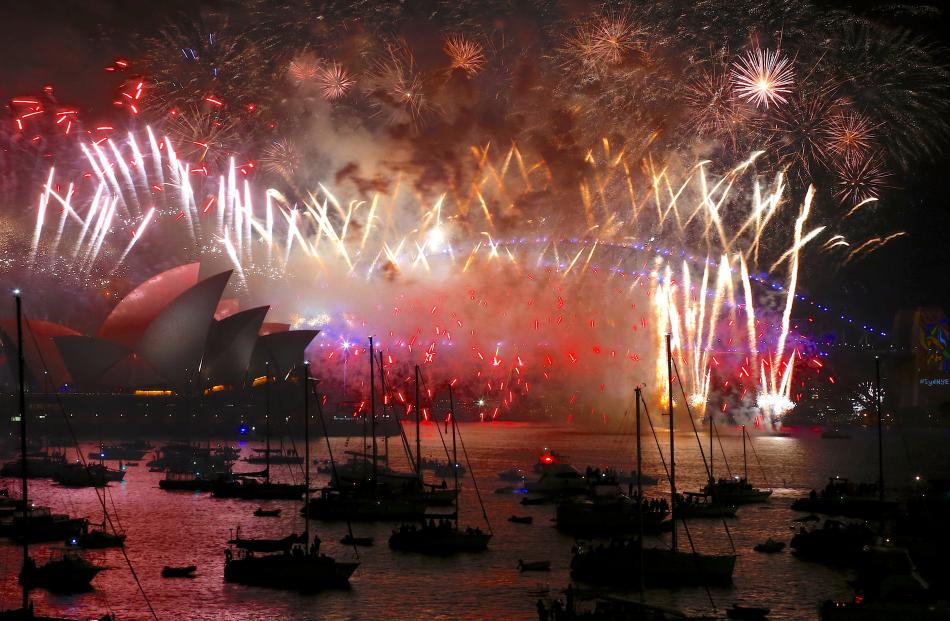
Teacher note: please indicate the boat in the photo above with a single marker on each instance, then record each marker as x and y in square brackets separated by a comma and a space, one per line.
[299, 566]
[124, 452]
[769, 546]
[618, 477]
[99, 538]
[446, 470]
[189, 481]
[67, 573]
[619, 562]
[888, 587]
[336, 505]
[521, 519]
[252, 488]
[546, 459]
[835, 542]
[692, 505]
[40, 524]
[38, 467]
[188, 571]
[363, 490]
[514, 474]
[275, 456]
[350, 540]
[842, 498]
[559, 480]
[262, 512]
[524, 566]
[610, 516]
[747, 613]
[444, 537]
[87, 475]
[734, 490]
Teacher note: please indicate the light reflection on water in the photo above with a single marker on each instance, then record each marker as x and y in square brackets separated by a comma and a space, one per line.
[184, 528]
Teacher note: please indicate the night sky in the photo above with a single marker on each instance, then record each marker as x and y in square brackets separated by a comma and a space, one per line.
[61, 42]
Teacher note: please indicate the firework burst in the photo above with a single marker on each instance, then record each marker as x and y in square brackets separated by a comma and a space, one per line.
[849, 135]
[302, 70]
[860, 180]
[763, 77]
[602, 42]
[281, 157]
[798, 129]
[396, 84]
[464, 55]
[714, 110]
[334, 81]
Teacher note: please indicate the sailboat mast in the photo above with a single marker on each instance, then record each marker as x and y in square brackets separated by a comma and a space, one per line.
[22, 408]
[306, 453]
[267, 422]
[745, 464]
[639, 496]
[669, 396]
[712, 478]
[418, 429]
[880, 430]
[455, 470]
[372, 405]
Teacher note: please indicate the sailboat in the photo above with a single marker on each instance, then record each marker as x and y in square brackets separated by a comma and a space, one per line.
[623, 559]
[296, 565]
[249, 486]
[388, 497]
[703, 504]
[444, 537]
[736, 490]
[68, 573]
[99, 538]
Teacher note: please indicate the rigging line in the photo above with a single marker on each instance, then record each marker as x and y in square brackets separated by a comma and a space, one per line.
[474, 481]
[448, 458]
[82, 460]
[392, 407]
[692, 422]
[722, 450]
[326, 436]
[756, 454]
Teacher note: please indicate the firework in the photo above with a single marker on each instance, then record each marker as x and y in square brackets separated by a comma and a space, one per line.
[464, 55]
[334, 81]
[302, 70]
[763, 77]
[280, 157]
[849, 136]
[799, 129]
[604, 41]
[714, 110]
[860, 180]
[397, 85]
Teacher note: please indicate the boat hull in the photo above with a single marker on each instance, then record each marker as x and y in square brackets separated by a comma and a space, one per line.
[287, 571]
[439, 542]
[661, 567]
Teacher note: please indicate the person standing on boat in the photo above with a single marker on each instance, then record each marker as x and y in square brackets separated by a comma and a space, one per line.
[542, 611]
[315, 548]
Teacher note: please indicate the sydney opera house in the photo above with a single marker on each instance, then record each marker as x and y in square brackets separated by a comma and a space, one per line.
[172, 356]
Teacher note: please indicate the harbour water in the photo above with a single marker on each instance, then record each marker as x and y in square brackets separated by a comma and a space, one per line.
[166, 528]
